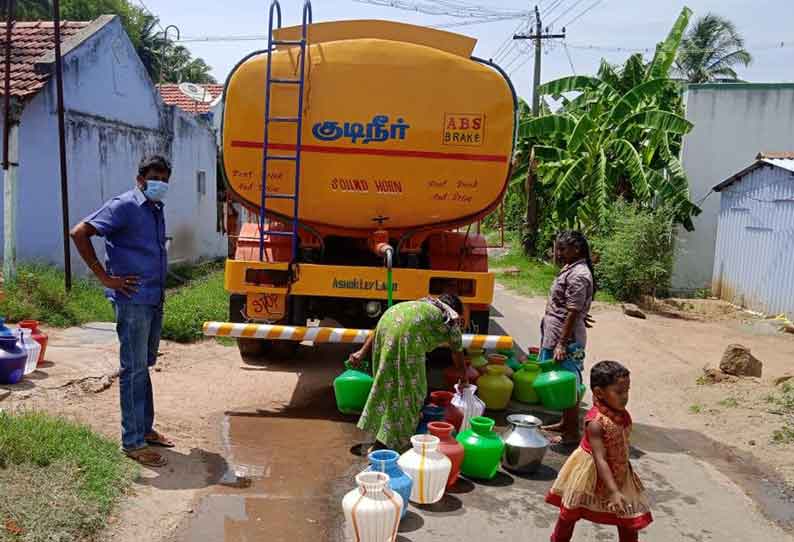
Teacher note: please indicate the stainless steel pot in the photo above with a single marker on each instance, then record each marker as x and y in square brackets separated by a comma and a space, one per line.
[525, 445]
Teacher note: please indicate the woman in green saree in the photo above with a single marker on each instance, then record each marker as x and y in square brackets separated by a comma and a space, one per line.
[404, 335]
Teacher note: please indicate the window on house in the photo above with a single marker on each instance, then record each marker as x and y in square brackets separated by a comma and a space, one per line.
[201, 182]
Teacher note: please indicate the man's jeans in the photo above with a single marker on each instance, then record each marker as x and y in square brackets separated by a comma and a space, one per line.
[138, 328]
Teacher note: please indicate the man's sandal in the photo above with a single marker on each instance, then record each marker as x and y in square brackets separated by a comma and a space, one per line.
[147, 457]
[158, 439]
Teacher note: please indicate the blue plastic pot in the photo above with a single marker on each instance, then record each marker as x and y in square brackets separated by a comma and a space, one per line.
[12, 360]
[386, 461]
[430, 413]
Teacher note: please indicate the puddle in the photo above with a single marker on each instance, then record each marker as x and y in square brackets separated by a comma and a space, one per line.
[285, 473]
[284, 478]
[774, 499]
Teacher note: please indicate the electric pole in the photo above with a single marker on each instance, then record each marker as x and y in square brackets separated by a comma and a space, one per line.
[532, 219]
[538, 37]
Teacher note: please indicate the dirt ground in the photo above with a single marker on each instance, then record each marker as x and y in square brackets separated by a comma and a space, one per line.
[200, 387]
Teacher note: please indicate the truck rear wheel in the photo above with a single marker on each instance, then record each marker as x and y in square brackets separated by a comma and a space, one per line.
[479, 321]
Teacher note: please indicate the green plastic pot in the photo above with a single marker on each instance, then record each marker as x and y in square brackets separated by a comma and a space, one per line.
[525, 377]
[477, 359]
[582, 391]
[351, 390]
[483, 449]
[557, 389]
[512, 360]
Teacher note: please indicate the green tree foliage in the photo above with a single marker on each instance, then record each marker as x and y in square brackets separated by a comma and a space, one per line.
[635, 251]
[618, 138]
[710, 50]
[143, 29]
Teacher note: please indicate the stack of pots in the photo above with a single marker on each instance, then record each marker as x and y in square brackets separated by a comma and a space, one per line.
[429, 413]
[452, 414]
[13, 358]
[37, 335]
[477, 359]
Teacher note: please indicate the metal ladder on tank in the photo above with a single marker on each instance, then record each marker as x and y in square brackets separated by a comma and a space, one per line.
[297, 120]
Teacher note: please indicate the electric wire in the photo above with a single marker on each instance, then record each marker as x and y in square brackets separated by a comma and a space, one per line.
[583, 13]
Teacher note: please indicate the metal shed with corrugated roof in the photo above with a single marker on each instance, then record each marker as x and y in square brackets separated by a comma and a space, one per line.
[754, 260]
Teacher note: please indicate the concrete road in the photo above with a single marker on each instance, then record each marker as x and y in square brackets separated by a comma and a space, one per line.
[284, 472]
[692, 500]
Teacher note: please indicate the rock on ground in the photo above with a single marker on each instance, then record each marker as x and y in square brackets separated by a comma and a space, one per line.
[738, 361]
[712, 375]
[629, 309]
[782, 379]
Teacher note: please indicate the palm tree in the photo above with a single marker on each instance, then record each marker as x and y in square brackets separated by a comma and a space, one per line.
[710, 50]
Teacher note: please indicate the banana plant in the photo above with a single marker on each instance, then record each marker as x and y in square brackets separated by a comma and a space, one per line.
[614, 140]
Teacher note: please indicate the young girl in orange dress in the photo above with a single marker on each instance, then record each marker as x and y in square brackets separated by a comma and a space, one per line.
[597, 482]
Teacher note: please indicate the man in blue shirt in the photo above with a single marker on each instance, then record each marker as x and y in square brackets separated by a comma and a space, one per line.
[134, 278]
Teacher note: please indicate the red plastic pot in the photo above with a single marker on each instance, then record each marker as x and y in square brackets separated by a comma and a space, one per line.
[452, 414]
[452, 375]
[38, 336]
[449, 447]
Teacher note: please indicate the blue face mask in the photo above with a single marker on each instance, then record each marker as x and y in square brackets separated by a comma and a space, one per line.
[156, 190]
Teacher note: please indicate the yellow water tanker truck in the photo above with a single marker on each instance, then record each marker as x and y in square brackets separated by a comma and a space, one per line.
[362, 151]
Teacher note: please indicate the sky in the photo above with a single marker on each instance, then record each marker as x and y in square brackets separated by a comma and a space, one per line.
[611, 25]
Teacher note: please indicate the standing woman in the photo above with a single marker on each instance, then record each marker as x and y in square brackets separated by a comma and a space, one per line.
[564, 326]
[404, 335]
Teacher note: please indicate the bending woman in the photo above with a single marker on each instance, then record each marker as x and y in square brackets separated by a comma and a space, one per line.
[404, 335]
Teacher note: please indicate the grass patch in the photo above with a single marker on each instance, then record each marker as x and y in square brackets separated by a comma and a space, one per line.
[58, 478]
[783, 402]
[784, 435]
[534, 277]
[188, 307]
[785, 399]
[729, 402]
[181, 274]
[695, 409]
[38, 293]
[195, 294]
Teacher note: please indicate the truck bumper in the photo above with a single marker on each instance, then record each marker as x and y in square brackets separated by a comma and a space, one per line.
[268, 284]
[329, 335]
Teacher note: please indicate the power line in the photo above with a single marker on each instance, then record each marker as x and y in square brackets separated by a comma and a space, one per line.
[582, 14]
[156, 18]
[508, 40]
[618, 49]
[460, 11]
[568, 54]
[520, 65]
[552, 7]
[470, 23]
[508, 53]
[567, 11]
